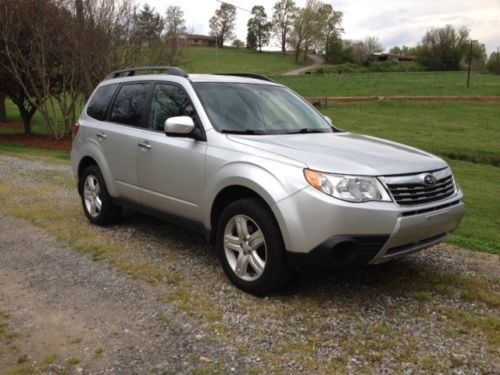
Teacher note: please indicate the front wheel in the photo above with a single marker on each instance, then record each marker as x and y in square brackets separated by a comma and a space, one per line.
[251, 247]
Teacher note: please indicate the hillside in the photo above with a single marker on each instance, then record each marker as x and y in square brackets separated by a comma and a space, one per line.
[387, 84]
[223, 60]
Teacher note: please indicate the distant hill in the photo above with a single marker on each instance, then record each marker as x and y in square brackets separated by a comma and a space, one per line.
[232, 60]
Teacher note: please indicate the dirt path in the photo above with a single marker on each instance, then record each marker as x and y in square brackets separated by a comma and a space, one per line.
[317, 62]
[65, 305]
[144, 296]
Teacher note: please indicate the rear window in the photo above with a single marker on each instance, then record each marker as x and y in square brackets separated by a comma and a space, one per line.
[99, 103]
[128, 107]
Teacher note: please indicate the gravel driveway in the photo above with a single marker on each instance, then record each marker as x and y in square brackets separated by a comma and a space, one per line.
[144, 296]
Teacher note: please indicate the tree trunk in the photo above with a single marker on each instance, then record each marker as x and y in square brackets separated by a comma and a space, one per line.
[26, 115]
[3, 111]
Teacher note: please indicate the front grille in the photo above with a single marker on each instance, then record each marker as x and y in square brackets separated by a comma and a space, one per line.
[411, 190]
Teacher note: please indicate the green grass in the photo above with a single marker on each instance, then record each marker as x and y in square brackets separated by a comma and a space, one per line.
[459, 130]
[14, 149]
[37, 124]
[232, 60]
[387, 84]
[454, 130]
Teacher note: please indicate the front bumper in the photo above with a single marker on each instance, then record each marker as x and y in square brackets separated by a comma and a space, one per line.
[327, 229]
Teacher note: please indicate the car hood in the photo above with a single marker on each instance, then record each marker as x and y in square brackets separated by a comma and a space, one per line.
[346, 153]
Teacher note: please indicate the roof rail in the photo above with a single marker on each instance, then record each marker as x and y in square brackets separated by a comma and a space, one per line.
[248, 75]
[170, 70]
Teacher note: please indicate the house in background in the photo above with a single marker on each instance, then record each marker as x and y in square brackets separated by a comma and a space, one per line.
[197, 40]
[390, 57]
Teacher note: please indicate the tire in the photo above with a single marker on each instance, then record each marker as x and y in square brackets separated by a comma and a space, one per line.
[251, 248]
[97, 203]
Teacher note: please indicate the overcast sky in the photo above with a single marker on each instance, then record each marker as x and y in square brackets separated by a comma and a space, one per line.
[394, 22]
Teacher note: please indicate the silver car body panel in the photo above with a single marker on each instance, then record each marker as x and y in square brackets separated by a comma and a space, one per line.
[183, 176]
[347, 153]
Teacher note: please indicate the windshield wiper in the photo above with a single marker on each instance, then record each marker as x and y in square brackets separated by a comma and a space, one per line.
[305, 130]
[246, 131]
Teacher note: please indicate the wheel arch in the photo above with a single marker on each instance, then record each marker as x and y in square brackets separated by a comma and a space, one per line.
[236, 192]
[92, 156]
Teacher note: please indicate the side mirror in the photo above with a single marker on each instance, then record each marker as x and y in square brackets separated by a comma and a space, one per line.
[328, 119]
[180, 126]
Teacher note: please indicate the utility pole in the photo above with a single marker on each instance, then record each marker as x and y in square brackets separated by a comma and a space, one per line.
[470, 61]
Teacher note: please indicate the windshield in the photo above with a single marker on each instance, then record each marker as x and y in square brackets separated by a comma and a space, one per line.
[258, 109]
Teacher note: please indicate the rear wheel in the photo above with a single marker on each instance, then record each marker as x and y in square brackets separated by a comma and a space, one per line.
[96, 201]
[251, 247]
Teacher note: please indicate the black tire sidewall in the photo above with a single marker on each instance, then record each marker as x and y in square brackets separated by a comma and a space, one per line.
[276, 262]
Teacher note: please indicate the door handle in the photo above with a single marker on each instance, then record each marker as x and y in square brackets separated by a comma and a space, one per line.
[101, 135]
[145, 145]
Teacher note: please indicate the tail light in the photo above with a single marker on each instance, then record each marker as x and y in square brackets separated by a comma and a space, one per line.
[76, 126]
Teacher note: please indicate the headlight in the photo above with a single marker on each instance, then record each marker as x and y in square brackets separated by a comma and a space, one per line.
[348, 188]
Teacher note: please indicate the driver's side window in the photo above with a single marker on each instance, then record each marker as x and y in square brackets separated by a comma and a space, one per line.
[168, 101]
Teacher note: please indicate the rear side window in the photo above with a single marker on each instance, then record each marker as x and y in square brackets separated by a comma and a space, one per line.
[100, 101]
[128, 107]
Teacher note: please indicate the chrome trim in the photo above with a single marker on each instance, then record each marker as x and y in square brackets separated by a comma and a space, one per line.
[415, 178]
[411, 190]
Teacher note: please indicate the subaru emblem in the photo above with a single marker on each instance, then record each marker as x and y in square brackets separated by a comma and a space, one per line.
[430, 180]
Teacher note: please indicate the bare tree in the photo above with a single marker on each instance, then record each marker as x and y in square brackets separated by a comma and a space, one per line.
[175, 25]
[307, 27]
[284, 12]
[57, 50]
[222, 24]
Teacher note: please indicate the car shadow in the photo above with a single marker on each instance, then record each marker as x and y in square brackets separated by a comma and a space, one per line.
[421, 272]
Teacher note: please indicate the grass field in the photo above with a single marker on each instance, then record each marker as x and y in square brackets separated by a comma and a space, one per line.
[386, 84]
[232, 60]
[459, 131]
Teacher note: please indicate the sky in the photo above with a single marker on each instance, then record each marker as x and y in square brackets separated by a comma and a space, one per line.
[394, 22]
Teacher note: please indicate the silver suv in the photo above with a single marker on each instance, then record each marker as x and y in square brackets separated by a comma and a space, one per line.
[260, 172]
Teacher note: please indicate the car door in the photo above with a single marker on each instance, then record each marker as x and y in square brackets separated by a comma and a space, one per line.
[171, 170]
[119, 135]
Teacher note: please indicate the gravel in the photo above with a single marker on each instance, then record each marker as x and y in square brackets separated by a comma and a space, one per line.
[399, 317]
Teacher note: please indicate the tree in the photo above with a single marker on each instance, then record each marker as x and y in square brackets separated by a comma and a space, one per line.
[26, 106]
[251, 40]
[258, 28]
[238, 44]
[3, 110]
[332, 30]
[175, 25]
[53, 53]
[307, 28]
[443, 48]
[493, 64]
[148, 26]
[222, 23]
[284, 12]
[403, 50]
[372, 45]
